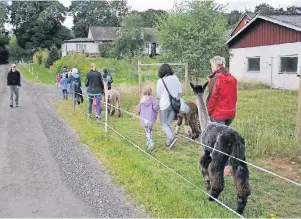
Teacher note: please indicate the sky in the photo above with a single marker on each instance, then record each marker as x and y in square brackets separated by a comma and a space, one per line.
[142, 5]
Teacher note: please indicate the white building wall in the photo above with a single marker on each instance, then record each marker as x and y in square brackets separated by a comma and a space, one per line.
[71, 46]
[269, 64]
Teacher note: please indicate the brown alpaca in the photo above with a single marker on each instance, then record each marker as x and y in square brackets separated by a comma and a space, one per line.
[114, 101]
[191, 124]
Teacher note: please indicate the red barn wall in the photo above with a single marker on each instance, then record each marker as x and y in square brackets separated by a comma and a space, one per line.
[264, 33]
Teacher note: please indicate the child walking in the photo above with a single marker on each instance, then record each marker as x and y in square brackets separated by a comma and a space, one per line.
[58, 80]
[148, 108]
[64, 85]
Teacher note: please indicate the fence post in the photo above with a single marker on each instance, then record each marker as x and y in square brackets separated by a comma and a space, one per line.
[299, 109]
[105, 80]
[140, 76]
[186, 77]
[73, 97]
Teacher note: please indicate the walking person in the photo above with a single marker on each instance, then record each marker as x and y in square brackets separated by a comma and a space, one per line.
[168, 80]
[58, 80]
[95, 88]
[64, 85]
[222, 98]
[14, 83]
[75, 84]
[147, 111]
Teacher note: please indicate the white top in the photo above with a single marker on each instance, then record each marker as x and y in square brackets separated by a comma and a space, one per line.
[174, 86]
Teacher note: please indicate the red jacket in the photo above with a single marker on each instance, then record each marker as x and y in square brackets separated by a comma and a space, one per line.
[221, 101]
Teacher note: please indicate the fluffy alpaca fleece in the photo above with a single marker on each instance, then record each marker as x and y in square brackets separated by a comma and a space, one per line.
[191, 122]
[115, 100]
[212, 163]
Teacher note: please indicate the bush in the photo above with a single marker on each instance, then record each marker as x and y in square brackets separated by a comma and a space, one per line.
[53, 56]
[107, 50]
[40, 57]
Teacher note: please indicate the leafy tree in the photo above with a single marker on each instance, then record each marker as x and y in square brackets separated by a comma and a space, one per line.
[38, 24]
[53, 56]
[96, 13]
[194, 32]
[234, 17]
[107, 50]
[4, 54]
[264, 9]
[16, 53]
[151, 17]
[131, 36]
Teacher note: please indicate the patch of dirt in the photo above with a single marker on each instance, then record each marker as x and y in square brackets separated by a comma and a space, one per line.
[290, 168]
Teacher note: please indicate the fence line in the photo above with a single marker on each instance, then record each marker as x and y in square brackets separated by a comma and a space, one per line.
[248, 163]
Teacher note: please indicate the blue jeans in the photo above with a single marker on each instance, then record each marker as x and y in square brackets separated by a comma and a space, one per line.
[227, 123]
[98, 108]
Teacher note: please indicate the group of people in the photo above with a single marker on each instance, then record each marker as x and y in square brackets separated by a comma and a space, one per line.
[94, 83]
[221, 101]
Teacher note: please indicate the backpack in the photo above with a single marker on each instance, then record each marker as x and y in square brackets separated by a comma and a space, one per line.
[110, 79]
[76, 85]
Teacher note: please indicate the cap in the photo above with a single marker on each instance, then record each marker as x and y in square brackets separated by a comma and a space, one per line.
[13, 65]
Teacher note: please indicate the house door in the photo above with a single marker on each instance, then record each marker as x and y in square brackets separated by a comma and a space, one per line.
[273, 78]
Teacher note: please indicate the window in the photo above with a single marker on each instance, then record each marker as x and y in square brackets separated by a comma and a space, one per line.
[81, 47]
[288, 64]
[254, 64]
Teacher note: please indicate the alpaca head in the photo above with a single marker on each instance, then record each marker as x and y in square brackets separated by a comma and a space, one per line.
[198, 89]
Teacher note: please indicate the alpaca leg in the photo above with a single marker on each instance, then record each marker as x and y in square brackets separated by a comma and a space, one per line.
[216, 171]
[113, 108]
[241, 180]
[205, 160]
[118, 108]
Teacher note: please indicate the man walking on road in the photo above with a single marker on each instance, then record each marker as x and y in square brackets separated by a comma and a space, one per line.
[14, 83]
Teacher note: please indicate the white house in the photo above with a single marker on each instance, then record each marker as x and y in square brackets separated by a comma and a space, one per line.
[97, 35]
[268, 49]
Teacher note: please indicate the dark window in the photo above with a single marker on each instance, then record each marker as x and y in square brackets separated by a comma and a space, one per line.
[254, 64]
[288, 64]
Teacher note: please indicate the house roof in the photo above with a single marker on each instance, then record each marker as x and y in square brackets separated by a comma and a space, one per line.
[100, 33]
[104, 33]
[289, 21]
[248, 14]
[79, 40]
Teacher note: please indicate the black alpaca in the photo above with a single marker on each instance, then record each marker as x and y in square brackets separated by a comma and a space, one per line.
[212, 162]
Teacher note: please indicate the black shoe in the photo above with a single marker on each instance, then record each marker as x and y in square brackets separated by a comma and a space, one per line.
[11, 105]
[16, 105]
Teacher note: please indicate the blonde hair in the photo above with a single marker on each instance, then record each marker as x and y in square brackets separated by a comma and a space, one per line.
[218, 60]
[92, 65]
[147, 91]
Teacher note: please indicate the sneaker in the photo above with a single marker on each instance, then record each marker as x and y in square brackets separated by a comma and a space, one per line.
[90, 116]
[16, 105]
[151, 144]
[172, 143]
[227, 171]
[99, 118]
[11, 105]
[78, 102]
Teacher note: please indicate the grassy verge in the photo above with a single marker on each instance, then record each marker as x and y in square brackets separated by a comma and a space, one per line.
[266, 118]
[39, 73]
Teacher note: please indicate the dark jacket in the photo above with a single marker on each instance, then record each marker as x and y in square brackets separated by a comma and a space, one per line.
[94, 82]
[75, 78]
[14, 78]
[221, 101]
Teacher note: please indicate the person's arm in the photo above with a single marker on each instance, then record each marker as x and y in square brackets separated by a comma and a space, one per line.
[80, 82]
[87, 80]
[159, 89]
[156, 106]
[19, 78]
[214, 90]
[101, 83]
[179, 86]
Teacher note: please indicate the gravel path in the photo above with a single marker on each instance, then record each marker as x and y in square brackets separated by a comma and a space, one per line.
[44, 171]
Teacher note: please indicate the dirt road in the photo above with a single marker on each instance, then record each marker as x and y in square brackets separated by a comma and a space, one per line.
[44, 171]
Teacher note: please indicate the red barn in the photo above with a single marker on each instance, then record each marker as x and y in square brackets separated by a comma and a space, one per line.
[243, 21]
[267, 49]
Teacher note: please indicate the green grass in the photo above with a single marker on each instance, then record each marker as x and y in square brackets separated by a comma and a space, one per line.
[39, 73]
[266, 118]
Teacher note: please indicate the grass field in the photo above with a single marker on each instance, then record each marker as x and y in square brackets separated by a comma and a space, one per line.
[269, 131]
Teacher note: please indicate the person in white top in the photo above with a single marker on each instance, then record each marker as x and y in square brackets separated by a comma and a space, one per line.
[167, 114]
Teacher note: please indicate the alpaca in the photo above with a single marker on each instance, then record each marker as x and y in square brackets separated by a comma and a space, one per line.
[191, 124]
[212, 163]
[114, 100]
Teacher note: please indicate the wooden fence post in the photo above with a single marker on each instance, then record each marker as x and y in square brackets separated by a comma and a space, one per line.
[140, 76]
[299, 109]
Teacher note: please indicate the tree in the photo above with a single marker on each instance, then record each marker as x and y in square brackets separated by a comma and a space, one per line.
[96, 13]
[131, 36]
[16, 53]
[234, 17]
[4, 54]
[38, 24]
[194, 32]
[264, 9]
[53, 56]
[151, 17]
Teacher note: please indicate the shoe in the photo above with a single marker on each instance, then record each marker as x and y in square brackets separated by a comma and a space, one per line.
[78, 102]
[90, 116]
[172, 143]
[16, 105]
[227, 171]
[99, 118]
[11, 105]
[147, 143]
[151, 144]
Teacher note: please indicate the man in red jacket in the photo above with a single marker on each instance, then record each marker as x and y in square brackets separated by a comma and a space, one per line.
[221, 101]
